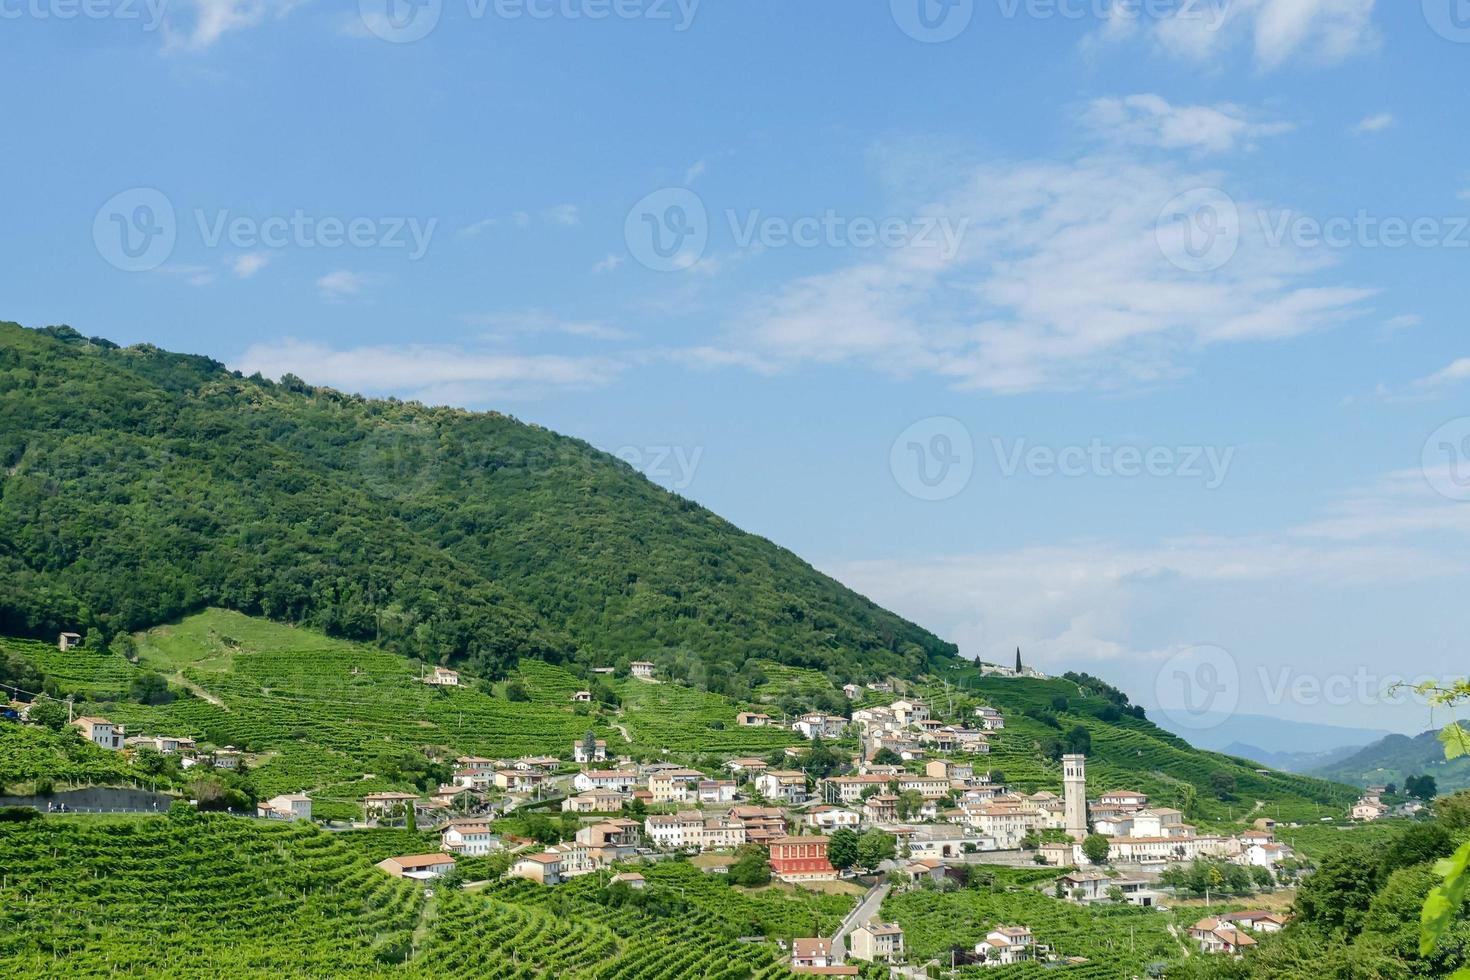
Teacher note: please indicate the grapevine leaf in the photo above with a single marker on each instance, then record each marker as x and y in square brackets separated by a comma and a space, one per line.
[1456, 741]
[1445, 900]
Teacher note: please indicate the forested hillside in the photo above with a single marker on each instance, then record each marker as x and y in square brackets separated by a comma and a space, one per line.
[1398, 757]
[137, 486]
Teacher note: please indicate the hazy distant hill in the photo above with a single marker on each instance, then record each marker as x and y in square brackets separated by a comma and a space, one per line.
[137, 486]
[1239, 734]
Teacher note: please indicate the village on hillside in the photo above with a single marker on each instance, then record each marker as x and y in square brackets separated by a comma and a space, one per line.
[914, 806]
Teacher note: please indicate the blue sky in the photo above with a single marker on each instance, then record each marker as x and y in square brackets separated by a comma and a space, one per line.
[1133, 335]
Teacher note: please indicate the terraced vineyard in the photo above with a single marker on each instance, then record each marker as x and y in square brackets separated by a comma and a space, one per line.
[683, 720]
[29, 754]
[1117, 941]
[322, 709]
[208, 897]
[89, 674]
[697, 935]
[211, 896]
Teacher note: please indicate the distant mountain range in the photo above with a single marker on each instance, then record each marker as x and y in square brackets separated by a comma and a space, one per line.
[1293, 746]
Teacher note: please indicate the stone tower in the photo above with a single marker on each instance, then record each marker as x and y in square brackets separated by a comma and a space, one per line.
[1074, 794]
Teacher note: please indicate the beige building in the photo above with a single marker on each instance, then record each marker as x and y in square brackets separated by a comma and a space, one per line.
[879, 942]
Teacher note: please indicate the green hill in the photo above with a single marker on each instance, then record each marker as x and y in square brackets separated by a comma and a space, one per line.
[344, 719]
[1395, 758]
[137, 486]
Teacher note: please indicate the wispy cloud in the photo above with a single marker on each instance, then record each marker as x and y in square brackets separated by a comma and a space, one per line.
[1374, 124]
[609, 263]
[194, 25]
[1281, 33]
[449, 375]
[556, 216]
[1451, 374]
[341, 283]
[1060, 282]
[247, 265]
[541, 322]
[1150, 120]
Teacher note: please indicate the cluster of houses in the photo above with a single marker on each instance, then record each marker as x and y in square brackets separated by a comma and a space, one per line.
[1230, 934]
[872, 942]
[114, 737]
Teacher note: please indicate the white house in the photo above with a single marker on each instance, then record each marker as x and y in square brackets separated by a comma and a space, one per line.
[811, 953]
[1005, 945]
[828, 818]
[100, 731]
[443, 677]
[599, 751]
[642, 669]
[376, 806]
[472, 839]
[781, 785]
[612, 780]
[288, 806]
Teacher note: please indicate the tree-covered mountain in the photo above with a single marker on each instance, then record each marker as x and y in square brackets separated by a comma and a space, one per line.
[137, 485]
[1396, 758]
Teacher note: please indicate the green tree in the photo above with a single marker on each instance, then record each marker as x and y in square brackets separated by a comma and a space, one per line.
[751, 868]
[875, 847]
[1223, 784]
[1095, 848]
[1336, 895]
[48, 713]
[842, 849]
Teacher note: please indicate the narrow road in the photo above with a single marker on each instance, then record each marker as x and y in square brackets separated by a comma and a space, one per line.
[866, 909]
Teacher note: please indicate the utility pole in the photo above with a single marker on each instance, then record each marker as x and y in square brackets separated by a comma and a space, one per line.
[69, 708]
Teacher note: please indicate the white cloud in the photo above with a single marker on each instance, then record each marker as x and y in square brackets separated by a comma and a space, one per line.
[440, 375]
[206, 21]
[194, 275]
[610, 263]
[474, 229]
[1096, 600]
[1452, 374]
[1278, 31]
[1404, 321]
[247, 265]
[341, 283]
[1060, 281]
[695, 171]
[541, 322]
[1374, 124]
[562, 215]
[1149, 120]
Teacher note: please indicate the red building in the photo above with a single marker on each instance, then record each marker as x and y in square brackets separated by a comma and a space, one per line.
[801, 859]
